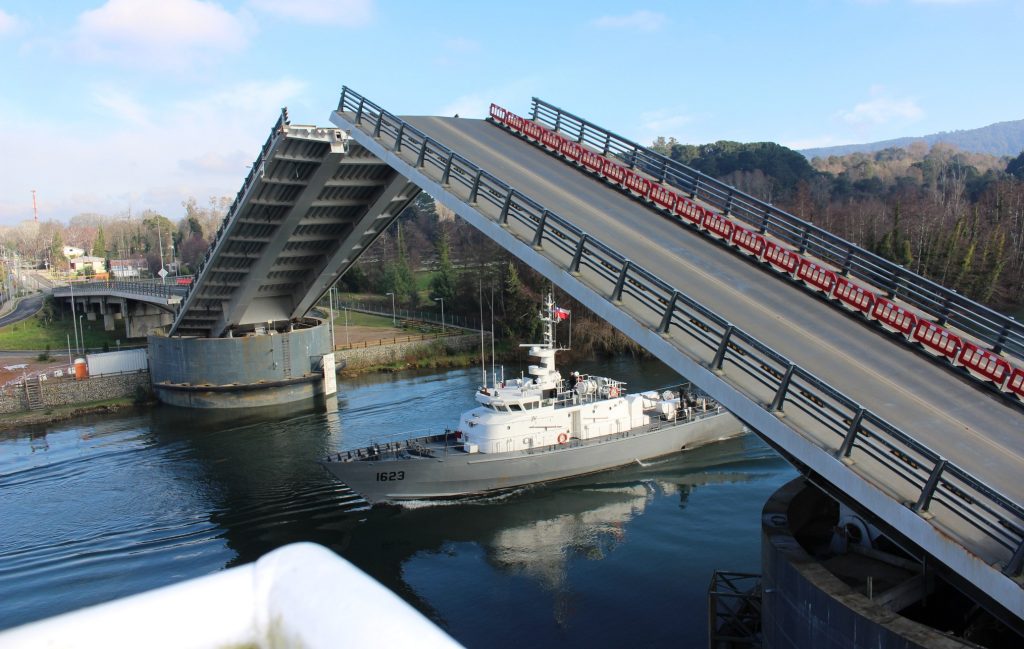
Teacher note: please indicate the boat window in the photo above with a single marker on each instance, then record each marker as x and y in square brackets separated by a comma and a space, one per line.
[529, 405]
[514, 407]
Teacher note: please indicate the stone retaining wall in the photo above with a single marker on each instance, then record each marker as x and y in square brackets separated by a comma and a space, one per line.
[66, 392]
[387, 353]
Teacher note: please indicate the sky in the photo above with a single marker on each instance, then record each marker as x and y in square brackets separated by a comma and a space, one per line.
[107, 107]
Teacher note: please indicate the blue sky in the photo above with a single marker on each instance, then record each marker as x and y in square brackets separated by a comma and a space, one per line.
[143, 103]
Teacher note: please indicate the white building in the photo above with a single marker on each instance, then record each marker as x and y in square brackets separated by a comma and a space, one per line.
[71, 252]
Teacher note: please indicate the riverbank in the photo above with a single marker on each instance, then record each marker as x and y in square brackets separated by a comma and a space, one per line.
[62, 413]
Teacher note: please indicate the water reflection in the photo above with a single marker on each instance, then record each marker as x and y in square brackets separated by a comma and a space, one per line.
[111, 505]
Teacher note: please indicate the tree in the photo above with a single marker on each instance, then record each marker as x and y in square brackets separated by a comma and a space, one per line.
[444, 282]
[398, 278]
[1016, 167]
[99, 244]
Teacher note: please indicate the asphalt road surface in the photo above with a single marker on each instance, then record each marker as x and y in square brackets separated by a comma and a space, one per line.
[25, 309]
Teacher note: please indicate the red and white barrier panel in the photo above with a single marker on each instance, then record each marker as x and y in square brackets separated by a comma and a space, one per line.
[717, 225]
[1016, 383]
[637, 184]
[984, 364]
[570, 149]
[816, 276]
[690, 211]
[747, 241]
[937, 340]
[893, 317]
[663, 197]
[498, 113]
[785, 260]
[853, 295]
[613, 172]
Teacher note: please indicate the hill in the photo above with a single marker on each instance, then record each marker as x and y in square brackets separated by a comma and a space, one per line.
[1000, 139]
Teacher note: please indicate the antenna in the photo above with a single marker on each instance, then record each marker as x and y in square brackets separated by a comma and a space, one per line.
[35, 210]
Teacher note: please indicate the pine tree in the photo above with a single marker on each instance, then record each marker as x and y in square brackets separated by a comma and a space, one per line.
[443, 284]
[99, 245]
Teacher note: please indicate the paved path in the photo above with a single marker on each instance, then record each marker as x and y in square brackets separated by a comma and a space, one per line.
[26, 308]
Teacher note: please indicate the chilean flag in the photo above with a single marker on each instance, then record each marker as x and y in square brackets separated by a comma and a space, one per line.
[560, 313]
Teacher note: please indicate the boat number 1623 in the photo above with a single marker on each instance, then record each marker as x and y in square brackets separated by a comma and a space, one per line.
[387, 476]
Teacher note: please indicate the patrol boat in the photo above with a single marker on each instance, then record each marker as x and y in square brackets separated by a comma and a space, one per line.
[534, 429]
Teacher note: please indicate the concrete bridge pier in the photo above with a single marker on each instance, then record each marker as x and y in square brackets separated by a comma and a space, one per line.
[258, 365]
[142, 318]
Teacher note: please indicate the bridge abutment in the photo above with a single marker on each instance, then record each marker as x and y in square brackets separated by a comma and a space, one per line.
[831, 580]
[261, 367]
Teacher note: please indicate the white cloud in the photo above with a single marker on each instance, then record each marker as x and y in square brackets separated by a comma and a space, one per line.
[169, 34]
[8, 23]
[344, 13]
[882, 110]
[663, 122]
[810, 142]
[478, 104]
[120, 105]
[641, 20]
[149, 156]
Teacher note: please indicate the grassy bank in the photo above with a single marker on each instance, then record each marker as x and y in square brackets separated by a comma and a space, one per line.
[35, 333]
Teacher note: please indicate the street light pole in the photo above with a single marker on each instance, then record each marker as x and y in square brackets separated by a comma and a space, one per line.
[330, 303]
[71, 285]
[83, 330]
[441, 300]
[394, 320]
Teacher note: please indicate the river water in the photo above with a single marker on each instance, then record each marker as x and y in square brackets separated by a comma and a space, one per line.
[107, 506]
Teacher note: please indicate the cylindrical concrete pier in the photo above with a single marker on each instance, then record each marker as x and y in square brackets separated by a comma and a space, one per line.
[261, 368]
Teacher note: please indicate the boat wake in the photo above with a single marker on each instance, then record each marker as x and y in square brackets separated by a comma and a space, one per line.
[482, 499]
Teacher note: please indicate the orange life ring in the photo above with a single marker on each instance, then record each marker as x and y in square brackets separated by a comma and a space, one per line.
[613, 391]
[562, 438]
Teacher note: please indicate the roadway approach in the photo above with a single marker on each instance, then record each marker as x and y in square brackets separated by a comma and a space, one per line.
[970, 427]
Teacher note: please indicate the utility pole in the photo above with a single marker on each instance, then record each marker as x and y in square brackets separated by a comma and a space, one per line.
[35, 210]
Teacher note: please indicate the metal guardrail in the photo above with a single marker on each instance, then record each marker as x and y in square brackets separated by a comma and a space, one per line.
[999, 331]
[153, 288]
[376, 308]
[854, 427]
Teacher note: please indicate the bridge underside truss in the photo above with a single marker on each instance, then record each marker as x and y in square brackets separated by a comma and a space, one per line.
[313, 201]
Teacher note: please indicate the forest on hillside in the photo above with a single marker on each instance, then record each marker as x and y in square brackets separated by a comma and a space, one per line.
[955, 217]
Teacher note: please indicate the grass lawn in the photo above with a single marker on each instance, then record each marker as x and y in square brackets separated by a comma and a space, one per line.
[34, 334]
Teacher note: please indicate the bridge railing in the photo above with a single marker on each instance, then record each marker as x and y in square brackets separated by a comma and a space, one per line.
[719, 344]
[997, 330]
[154, 288]
[257, 168]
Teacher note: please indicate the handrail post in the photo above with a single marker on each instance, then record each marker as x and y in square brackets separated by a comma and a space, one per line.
[851, 434]
[666, 319]
[780, 394]
[621, 282]
[1001, 341]
[376, 127]
[538, 234]
[503, 217]
[719, 359]
[574, 265]
[359, 111]
[476, 187]
[447, 169]
[423, 154]
[929, 488]
[398, 140]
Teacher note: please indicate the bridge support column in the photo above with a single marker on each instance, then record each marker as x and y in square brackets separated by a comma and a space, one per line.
[269, 367]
